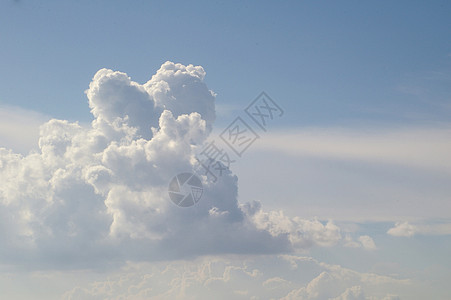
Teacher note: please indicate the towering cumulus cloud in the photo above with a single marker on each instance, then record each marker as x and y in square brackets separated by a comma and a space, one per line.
[98, 194]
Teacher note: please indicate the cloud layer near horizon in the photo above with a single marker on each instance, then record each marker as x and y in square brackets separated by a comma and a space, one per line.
[98, 194]
[281, 277]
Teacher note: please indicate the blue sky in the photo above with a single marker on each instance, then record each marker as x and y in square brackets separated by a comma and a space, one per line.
[344, 197]
[329, 62]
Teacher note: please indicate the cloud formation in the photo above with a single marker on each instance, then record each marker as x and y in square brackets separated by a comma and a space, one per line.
[406, 229]
[402, 229]
[275, 277]
[98, 194]
[363, 241]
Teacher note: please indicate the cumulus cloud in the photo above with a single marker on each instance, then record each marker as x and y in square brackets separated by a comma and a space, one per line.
[97, 194]
[299, 231]
[336, 282]
[352, 293]
[363, 241]
[367, 242]
[406, 229]
[402, 229]
[274, 277]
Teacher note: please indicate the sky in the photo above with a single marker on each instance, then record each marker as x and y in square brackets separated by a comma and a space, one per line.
[342, 193]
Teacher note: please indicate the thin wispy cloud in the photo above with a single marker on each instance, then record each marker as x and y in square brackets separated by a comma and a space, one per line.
[425, 148]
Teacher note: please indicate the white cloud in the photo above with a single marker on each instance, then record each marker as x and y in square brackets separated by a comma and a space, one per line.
[300, 232]
[406, 229]
[349, 242]
[402, 229]
[367, 242]
[352, 174]
[426, 148]
[363, 241]
[95, 195]
[268, 277]
[352, 293]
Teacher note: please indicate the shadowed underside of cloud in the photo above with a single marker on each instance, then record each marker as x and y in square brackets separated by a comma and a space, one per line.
[98, 194]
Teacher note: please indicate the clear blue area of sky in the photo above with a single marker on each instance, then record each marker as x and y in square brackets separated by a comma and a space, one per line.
[325, 62]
